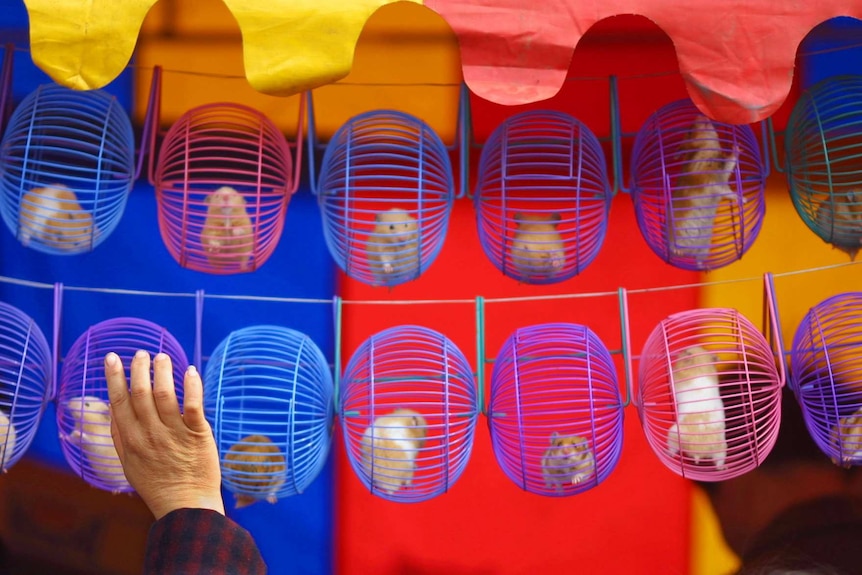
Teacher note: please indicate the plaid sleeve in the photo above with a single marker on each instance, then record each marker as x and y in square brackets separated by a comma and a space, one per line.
[200, 542]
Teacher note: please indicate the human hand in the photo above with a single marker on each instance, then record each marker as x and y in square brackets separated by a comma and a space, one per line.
[169, 458]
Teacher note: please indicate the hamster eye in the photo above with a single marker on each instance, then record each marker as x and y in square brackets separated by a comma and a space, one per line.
[86, 404]
[392, 227]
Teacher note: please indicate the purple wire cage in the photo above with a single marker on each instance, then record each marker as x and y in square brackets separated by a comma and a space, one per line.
[698, 187]
[26, 368]
[82, 394]
[67, 166]
[223, 182]
[542, 198]
[709, 394]
[555, 412]
[268, 396]
[409, 408]
[385, 192]
[823, 148]
[826, 376]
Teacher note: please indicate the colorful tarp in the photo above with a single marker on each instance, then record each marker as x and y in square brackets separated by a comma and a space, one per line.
[736, 56]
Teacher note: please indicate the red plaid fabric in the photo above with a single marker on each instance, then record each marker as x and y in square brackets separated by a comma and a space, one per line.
[201, 542]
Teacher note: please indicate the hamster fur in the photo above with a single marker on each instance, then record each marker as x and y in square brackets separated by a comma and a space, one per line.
[92, 434]
[390, 447]
[259, 466]
[53, 216]
[567, 460]
[700, 427]
[537, 248]
[393, 245]
[847, 439]
[700, 188]
[228, 235]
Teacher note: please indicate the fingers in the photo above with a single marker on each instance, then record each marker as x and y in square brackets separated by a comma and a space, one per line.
[118, 391]
[164, 392]
[142, 390]
[193, 401]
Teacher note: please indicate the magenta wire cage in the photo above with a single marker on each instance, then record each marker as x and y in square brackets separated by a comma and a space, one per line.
[408, 407]
[82, 394]
[555, 412]
[698, 187]
[26, 369]
[823, 148]
[268, 392]
[826, 376]
[223, 179]
[385, 192]
[67, 165]
[542, 197]
[709, 394]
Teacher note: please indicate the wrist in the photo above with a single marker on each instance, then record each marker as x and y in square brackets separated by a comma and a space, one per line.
[166, 504]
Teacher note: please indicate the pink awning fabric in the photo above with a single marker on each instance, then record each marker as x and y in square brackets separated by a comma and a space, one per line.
[735, 56]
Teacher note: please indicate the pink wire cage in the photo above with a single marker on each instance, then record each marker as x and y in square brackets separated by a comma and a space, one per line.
[82, 394]
[698, 187]
[826, 376]
[408, 456]
[26, 369]
[709, 394]
[223, 178]
[555, 413]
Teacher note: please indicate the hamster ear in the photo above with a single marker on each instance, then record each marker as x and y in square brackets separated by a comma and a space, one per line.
[554, 436]
[519, 217]
[378, 217]
[556, 217]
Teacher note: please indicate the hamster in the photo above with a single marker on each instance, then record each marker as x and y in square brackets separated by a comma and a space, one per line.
[537, 248]
[568, 460]
[259, 466]
[393, 246]
[390, 447]
[699, 189]
[8, 439]
[841, 218]
[228, 235]
[53, 216]
[700, 416]
[92, 434]
[847, 438]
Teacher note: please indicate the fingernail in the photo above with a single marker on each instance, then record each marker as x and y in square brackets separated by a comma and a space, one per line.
[141, 354]
[111, 359]
[161, 356]
[192, 370]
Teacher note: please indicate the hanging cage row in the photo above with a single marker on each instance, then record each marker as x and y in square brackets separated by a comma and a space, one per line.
[224, 174]
[707, 393]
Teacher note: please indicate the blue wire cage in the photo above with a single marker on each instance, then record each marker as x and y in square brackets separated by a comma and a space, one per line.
[698, 187]
[542, 198]
[26, 368]
[268, 395]
[709, 394]
[66, 169]
[555, 412]
[385, 191]
[82, 395]
[409, 408]
[823, 147]
[826, 376]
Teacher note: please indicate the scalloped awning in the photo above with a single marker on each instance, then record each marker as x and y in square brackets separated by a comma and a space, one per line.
[736, 56]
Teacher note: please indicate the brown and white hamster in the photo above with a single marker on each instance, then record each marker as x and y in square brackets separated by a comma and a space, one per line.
[847, 438]
[393, 245]
[390, 447]
[258, 466]
[228, 235]
[569, 460]
[537, 248]
[53, 215]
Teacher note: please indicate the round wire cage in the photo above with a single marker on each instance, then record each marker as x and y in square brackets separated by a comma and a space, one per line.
[268, 395]
[823, 148]
[555, 411]
[223, 182]
[542, 198]
[698, 187]
[67, 165]
[409, 409]
[83, 415]
[826, 378]
[385, 192]
[26, 368]
[709, 394]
